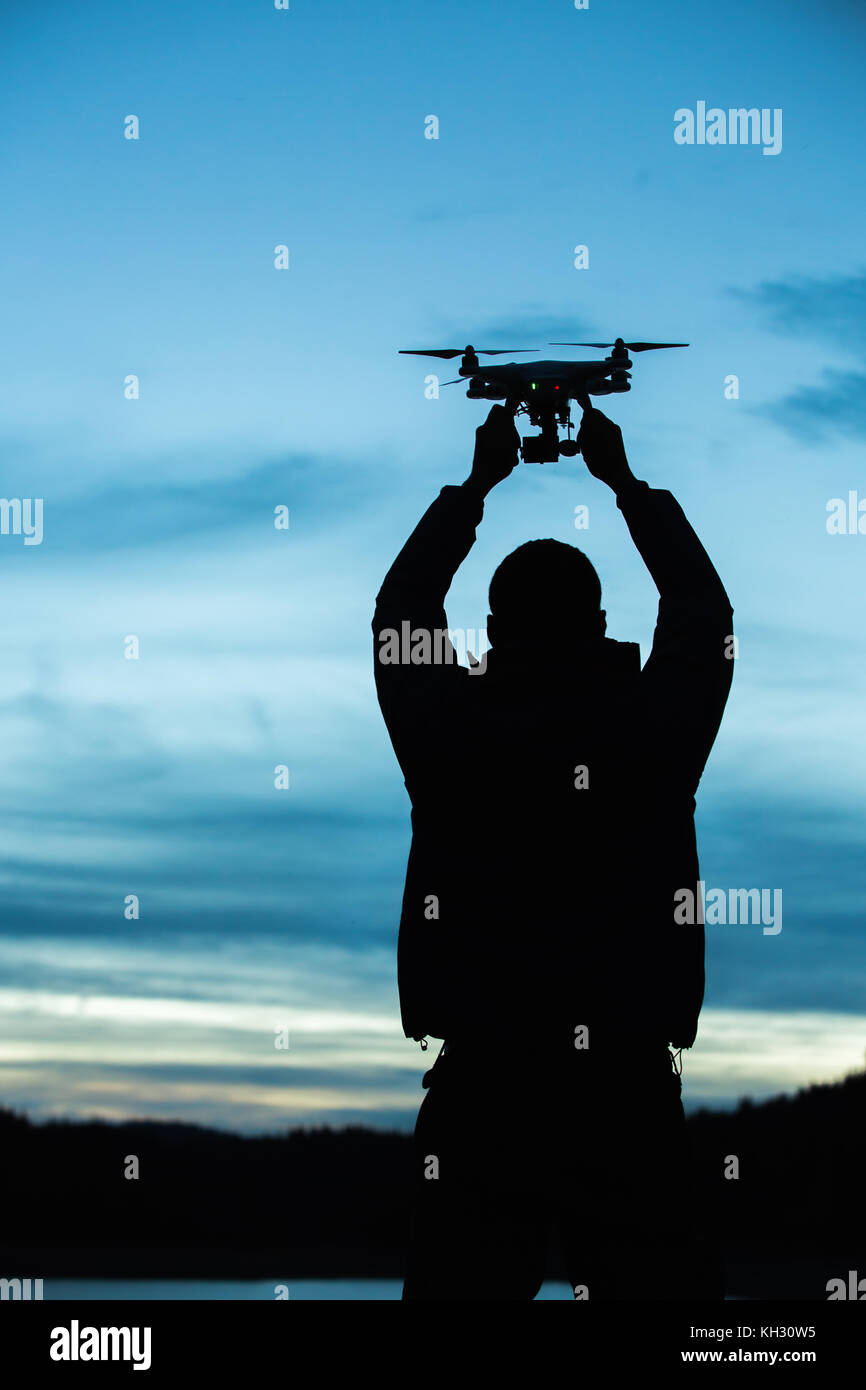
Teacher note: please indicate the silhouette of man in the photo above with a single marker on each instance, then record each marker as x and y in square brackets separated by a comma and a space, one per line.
[553, 797]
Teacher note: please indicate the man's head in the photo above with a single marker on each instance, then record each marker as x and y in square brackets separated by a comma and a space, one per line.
[545, 591]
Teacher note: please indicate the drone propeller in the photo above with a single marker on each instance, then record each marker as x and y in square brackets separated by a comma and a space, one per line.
[630, 347]
[458, 352]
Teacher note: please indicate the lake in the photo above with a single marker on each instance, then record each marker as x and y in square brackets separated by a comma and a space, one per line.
[145, 1290]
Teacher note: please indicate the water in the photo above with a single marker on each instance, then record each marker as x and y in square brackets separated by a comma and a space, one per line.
[172, 1290]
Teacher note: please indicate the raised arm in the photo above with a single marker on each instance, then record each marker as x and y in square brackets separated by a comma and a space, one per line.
[688, 675]
[416, 673]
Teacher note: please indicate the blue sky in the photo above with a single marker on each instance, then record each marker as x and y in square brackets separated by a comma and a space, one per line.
[263, 909]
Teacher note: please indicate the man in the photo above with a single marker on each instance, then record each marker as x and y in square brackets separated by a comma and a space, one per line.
[552, 790]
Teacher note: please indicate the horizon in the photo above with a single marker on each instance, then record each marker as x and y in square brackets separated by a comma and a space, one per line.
[404, 1130]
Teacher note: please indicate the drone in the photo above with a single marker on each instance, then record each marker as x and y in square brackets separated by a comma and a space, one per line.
[543, 390]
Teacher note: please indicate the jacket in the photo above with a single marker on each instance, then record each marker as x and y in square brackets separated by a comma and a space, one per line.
[553, 799]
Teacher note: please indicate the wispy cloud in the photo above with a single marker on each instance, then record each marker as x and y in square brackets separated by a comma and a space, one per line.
[814, 412]
[832, 310]
[533, 327]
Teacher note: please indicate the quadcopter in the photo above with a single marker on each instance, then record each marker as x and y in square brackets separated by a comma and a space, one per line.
[543, 390]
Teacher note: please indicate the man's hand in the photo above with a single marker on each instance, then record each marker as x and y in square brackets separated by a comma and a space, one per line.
[496, 446]
[600, 442]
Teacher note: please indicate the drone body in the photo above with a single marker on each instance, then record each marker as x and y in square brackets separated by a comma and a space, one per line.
[544, 390]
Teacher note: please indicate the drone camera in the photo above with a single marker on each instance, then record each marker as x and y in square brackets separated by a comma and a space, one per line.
[537, 448]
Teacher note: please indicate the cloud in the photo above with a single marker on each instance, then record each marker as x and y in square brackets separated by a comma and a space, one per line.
[831, 310]
[532, 327]
[318, 490]
[206, 1076]
[813, 412]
